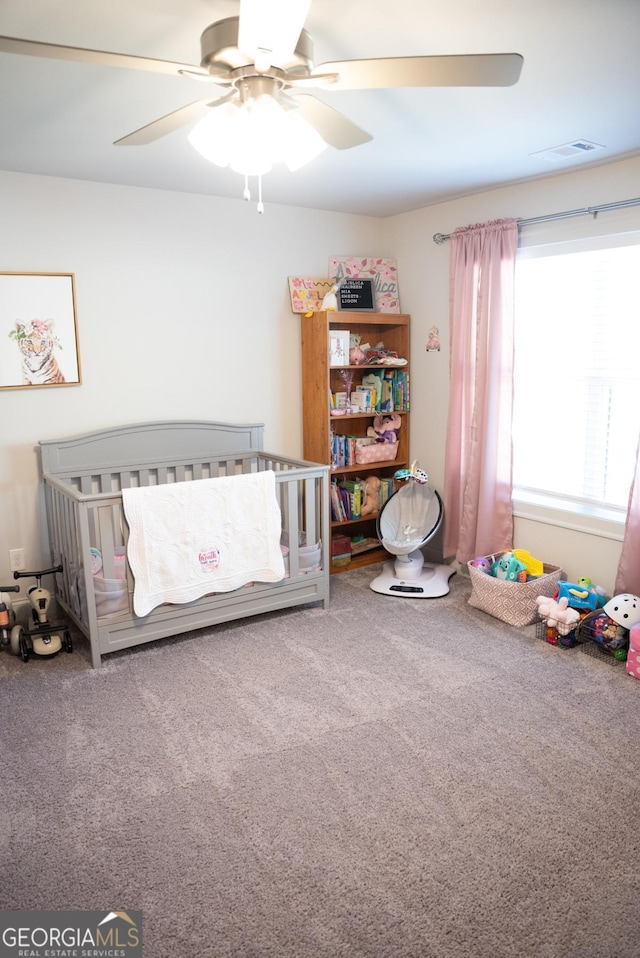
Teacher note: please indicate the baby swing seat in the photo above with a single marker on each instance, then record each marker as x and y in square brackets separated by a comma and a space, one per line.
[407, 521]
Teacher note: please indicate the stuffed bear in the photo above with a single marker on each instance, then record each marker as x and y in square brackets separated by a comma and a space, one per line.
[385, 428]
[370, 496]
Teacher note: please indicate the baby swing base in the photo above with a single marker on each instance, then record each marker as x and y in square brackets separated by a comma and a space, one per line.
[409, 576]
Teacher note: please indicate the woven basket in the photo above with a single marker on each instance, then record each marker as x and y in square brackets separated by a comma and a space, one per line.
[512, 602]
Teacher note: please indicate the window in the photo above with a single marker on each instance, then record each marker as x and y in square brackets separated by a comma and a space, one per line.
[577, 374]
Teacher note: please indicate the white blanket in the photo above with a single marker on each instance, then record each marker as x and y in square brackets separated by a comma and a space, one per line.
[209, 535]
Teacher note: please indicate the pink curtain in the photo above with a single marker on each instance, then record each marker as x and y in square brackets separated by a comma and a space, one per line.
[478, 459]
[628, 575]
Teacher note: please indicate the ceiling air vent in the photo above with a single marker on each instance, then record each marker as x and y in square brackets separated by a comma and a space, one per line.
[567, 150]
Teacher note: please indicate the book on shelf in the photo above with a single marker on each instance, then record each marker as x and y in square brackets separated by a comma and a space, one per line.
[343, 450]
[387, 488]
[352, 489]
[373, 381]
[391, 390]
[337, 511]
[346, 500]
[401, 390]
[362, 399]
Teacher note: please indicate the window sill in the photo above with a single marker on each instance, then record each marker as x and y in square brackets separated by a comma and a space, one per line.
[603, 521]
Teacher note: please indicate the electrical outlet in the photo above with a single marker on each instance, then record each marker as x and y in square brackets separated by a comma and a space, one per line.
[16, 560]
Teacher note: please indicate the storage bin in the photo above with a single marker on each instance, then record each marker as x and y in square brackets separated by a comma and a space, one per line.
[111, 596]
[511, 602]
[309, 557]
[368, 451]
[633, 663]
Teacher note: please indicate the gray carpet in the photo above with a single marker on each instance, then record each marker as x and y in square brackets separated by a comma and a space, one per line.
[391, 778]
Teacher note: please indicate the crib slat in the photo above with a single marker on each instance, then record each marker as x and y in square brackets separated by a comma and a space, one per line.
[107, 544]
[293, 528]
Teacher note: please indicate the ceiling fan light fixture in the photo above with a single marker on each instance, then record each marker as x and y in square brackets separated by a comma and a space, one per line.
[251, 136]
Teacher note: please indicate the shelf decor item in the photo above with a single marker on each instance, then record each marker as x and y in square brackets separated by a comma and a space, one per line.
[339, 347]
[381, 271]
[347, 378]
[356, 293]
[307, 292]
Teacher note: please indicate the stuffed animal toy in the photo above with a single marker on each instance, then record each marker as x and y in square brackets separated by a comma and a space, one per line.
[370, 496]
[356, 355]
[385, 428]
[330, 301]
[558, 615]
[481, 563]
[509, 568]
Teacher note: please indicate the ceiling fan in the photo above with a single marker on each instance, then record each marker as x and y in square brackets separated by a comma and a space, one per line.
[266, 55]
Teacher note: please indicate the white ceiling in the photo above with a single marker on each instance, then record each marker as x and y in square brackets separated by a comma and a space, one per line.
[580, 80]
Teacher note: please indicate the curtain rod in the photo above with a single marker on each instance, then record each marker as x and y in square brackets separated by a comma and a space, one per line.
[588, 211]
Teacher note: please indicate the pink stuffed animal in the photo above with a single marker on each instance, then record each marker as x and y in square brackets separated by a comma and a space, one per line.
[557, 615]
[385, 428]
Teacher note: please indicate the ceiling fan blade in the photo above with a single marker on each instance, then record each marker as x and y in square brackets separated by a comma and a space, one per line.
[170, 122]
[483, 69]
[34, 48]
[334, 128]
[269, 30]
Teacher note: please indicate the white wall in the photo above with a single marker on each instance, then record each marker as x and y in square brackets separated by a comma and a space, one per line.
[183, 311]
[423, 272]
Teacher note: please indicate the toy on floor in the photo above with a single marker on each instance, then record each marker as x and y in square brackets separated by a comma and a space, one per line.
[42, 637]
[533, 566]
[557, 615]
[582, 594]
[509, 568]
[609, 627]
[481, 563]
[633, 655]
[7, 615]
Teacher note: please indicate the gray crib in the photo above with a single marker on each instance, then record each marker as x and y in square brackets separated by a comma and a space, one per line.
[83, 479]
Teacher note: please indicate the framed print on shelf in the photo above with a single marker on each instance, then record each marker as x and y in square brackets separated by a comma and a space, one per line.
[338, 347]
[39, 330]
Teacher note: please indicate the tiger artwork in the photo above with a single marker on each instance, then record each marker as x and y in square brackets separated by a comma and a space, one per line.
[37, 343]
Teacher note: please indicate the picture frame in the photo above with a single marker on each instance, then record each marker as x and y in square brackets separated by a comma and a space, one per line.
[38, 331]
[338, 347]
[356, 294]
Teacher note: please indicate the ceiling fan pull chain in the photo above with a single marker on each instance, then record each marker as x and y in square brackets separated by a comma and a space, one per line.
[246, 195]
[260, 203]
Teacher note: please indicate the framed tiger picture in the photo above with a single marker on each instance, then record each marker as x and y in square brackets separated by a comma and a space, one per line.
[38, 330]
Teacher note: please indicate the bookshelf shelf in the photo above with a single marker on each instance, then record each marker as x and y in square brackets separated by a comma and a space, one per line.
[320, 379]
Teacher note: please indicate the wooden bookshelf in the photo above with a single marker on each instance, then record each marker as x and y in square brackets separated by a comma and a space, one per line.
[320, 379]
